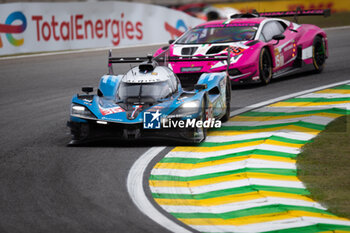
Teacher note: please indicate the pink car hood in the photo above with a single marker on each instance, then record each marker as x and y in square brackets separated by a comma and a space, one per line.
[204, 49]
[199, 50]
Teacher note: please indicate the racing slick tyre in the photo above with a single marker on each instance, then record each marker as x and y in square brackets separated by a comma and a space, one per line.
[80, 132]
[226, 117]
[265, 66]
[318, 54]
[203, 130]
[204, 118]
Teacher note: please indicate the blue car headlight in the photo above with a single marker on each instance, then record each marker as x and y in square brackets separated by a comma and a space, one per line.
[81, 111]
[186, 109]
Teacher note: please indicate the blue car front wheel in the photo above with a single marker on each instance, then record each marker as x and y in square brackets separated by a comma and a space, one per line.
[226, 117]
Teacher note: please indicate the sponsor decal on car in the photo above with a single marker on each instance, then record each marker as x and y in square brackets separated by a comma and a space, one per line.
[279, 58]
[236, 50]
[191, 69]
[108, 111]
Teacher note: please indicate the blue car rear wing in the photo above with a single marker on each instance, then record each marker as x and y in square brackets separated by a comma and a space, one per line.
[150, 61]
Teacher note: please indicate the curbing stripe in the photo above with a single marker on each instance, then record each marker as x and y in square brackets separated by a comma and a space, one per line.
[307, 126]
[316, 100]
[271, 171]
[223, 159]
[238, 130]
[277, 226]
[261, 116]
[327, 95]
[256, 211]
[224, 156]
[286, 134]
[340, 87]
[232, 191]
[271, 137]
[235, 146]
[244, 221]
[184, 154]
[260, 112]
[310, 104]
[170, 169]
[289, 226]
[284, 172]
[321, 228]
[234, 163]
[219, 179]
[258, 198]
[312, 120]
[283, 116]
[230, 203]
[224, 186]
[228, 184]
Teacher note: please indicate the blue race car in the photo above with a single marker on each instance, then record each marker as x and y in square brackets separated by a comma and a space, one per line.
[148, 101]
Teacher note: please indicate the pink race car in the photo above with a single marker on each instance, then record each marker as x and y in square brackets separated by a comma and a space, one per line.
[262, 47]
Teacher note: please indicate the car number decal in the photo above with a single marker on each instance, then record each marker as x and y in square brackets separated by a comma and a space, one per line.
[108, 111]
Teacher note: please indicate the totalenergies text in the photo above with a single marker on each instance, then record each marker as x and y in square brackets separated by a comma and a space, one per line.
[76, 27]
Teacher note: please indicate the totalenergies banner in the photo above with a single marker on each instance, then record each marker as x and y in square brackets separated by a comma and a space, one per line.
[35, 27]
[289, 5]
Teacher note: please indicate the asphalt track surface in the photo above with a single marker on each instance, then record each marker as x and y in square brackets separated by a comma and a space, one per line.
[46, 186]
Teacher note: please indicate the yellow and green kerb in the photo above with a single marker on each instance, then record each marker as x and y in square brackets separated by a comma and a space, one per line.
[243, 178]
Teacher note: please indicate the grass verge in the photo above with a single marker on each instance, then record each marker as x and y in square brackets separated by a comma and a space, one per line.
[324, 167]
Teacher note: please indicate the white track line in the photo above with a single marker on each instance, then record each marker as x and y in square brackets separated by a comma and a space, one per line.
[326, 95]
[137, 193]
[258, 105]
[280, 133]
[309, 119]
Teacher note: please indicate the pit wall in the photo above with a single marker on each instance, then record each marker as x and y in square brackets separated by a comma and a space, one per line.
[37, 27]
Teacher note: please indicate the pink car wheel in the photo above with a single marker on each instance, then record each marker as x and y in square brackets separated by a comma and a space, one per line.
[226, 117]
[319, 54]
[265, 66]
